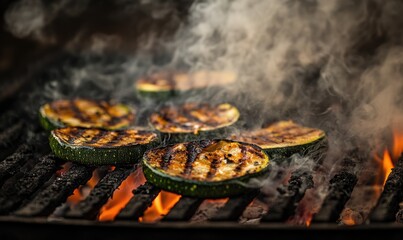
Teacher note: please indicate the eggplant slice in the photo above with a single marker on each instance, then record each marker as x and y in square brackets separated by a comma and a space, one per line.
[205, 169]
[85, 113]
[99, 146]
[283, 137]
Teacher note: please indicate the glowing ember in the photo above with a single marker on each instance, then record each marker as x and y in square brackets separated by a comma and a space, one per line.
[121, 196]
[160, 206]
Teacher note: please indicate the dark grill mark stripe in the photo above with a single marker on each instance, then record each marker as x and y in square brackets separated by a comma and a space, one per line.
[241, 163]
[166, 158]
[114, 119]
[192, 151]
[100, 134]
[74, 134]
[117, 138]
[213, 168]
[78, 113]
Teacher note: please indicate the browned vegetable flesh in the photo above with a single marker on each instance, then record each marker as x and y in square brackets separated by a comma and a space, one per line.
[281, 134]
[167, 81]
[192, 117]
[98, 138]
[87, 113]
[207, 160]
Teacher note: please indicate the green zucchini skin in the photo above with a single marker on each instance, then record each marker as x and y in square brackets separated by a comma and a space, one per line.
[304, 150]
[200, 189]
[48, 124]
[122, 155]
[171, 138]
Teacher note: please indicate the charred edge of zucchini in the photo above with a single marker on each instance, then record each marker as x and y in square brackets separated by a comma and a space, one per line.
[122, 155]
[201, 189]
[304, 150]
[48, 124]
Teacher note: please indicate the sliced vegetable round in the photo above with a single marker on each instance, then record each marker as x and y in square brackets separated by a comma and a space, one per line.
[98, 146]
[194, 120]
[283, 137]
[206, 168]
[85, 113]
[165, 84]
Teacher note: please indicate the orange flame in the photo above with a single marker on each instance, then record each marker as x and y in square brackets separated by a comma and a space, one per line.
[121, 196]
[160, 206]
[387, 162]
[79, 194]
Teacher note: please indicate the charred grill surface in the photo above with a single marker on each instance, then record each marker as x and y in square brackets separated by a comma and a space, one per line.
[284, 206]
[9, 139]
[184, 209]
[235, 206]
[55, 194]
[142, 199]
[341, 186]
[11, 165]
[90, 207]
[388, 203]
[28, 184]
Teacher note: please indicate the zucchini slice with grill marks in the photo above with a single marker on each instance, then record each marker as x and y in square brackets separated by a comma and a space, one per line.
[192, 121]
[166, 84]
[284, 138]
[85, 113]
[99, 146]
[205, 169]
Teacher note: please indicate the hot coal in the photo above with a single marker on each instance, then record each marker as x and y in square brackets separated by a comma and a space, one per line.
[46, 201]
[9, 139]
[142, 199]
[91, 205]
[27, 185]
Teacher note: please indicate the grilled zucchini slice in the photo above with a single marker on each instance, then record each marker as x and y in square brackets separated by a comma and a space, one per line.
[99, 146]
[85, 113]
[205, 169]
[284, 138]
[192, 121]
[167, 84]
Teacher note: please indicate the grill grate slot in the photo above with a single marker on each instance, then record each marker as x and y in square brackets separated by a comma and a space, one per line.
[28, 184]
[392, 195]
[142, 199]
[284, 206]
[235, 206]
[91, 205]
[55, 194]
[184, 209]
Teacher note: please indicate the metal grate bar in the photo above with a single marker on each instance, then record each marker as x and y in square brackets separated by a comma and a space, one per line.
[142, 199]
[340, 188]
[392, 195]
[184, 209]
[284, 206]
[89, 208]
[55, 194]
[235, 206]
[11, 135]
[12, 163]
